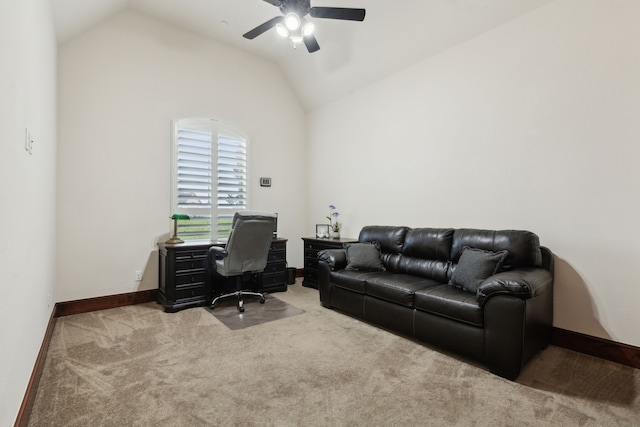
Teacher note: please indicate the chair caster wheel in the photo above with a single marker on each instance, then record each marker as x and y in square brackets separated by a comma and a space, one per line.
[241, 309]
[261, 300]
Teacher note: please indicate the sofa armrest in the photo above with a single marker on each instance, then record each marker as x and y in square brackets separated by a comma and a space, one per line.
[523, 283]
[336, 258]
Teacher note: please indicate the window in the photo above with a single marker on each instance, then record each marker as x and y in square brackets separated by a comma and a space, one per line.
[209, 179]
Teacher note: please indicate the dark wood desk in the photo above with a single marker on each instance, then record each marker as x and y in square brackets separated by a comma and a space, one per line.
[182, 273]
[313, 245]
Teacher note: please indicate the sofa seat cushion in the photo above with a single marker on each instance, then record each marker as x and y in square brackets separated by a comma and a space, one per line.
[397, 288]
[450, 301]
[352, 279]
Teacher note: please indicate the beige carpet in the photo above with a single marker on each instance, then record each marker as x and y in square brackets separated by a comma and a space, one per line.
[139, 366]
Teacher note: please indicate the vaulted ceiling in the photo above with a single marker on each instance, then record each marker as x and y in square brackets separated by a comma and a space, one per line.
[352, 55]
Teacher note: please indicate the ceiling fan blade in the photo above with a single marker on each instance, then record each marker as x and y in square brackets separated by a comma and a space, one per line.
[276, 3]
[311, 43]
[338, 13]
[263, 27]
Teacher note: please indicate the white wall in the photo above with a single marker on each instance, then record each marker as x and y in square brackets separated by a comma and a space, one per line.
[27, 191]
[534, 125]
[120, 85]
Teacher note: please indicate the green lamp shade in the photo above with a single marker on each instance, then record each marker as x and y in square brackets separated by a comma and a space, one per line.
[180, 216]
[174, 238]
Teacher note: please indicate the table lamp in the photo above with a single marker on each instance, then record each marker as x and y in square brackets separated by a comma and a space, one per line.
[174, 238]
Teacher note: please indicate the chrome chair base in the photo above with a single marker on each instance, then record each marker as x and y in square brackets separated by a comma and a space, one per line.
[239, 295]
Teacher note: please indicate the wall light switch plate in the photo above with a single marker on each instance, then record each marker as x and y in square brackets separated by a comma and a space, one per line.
[265, 182]
[28, 141]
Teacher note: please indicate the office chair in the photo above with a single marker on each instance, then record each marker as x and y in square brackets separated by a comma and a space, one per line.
[245, 254]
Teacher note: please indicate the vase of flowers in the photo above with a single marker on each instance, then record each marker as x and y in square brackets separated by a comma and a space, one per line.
[334, 225]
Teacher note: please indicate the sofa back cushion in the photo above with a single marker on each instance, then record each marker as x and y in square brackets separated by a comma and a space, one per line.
[427, 268]
[523, 247]
[421, 252]
[391, 239]
[428, 243]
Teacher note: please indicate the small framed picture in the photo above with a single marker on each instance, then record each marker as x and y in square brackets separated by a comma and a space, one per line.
[322, 231]
[265, 182]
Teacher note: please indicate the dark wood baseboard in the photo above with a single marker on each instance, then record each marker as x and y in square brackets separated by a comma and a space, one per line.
[300, 272]
[102, 303]
[599, 347]
[30, 394]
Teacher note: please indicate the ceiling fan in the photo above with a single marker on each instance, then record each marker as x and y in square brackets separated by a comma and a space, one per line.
[294, 25]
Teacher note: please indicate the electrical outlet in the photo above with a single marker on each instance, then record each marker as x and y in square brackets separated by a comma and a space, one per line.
[138, 275]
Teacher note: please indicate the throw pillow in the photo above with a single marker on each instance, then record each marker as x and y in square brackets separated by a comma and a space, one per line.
[474, 266]
[364, 256]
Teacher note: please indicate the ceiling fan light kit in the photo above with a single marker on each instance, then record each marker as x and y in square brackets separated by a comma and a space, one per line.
[295, 29]
[282, 30]
[293, 25]
[292, 21]
[307, 29]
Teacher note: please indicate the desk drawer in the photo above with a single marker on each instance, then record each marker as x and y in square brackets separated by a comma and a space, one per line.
[273, 279]
[188, 292]
[311, 275]
[311, 253]
[311, 263]
[319, 246]
[190, 265]
[190, 278]
[200, 254]
[278, 246]
[277, 256]
[276, 267]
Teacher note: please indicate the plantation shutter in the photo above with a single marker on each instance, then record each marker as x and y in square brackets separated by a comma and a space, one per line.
[200, 150]
[232, 179]
[194, 183]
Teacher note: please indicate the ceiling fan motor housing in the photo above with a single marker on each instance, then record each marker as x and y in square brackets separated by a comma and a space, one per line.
[299, 7]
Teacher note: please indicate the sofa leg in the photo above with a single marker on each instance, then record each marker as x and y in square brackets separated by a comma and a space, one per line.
[509, 375]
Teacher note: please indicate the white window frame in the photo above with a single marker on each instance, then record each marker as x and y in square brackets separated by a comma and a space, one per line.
[215, 208]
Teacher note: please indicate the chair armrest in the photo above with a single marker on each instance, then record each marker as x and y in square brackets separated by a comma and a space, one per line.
[218, 252]
[523, 283]
[336, 258]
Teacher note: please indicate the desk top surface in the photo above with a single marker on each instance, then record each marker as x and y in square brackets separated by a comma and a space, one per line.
[199, 243]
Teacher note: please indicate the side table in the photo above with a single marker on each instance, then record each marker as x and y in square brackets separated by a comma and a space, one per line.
[313, 245]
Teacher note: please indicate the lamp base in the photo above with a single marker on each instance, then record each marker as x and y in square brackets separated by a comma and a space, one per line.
[174, 240]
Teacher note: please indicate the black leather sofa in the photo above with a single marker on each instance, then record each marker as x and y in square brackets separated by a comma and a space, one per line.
[503, 324]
